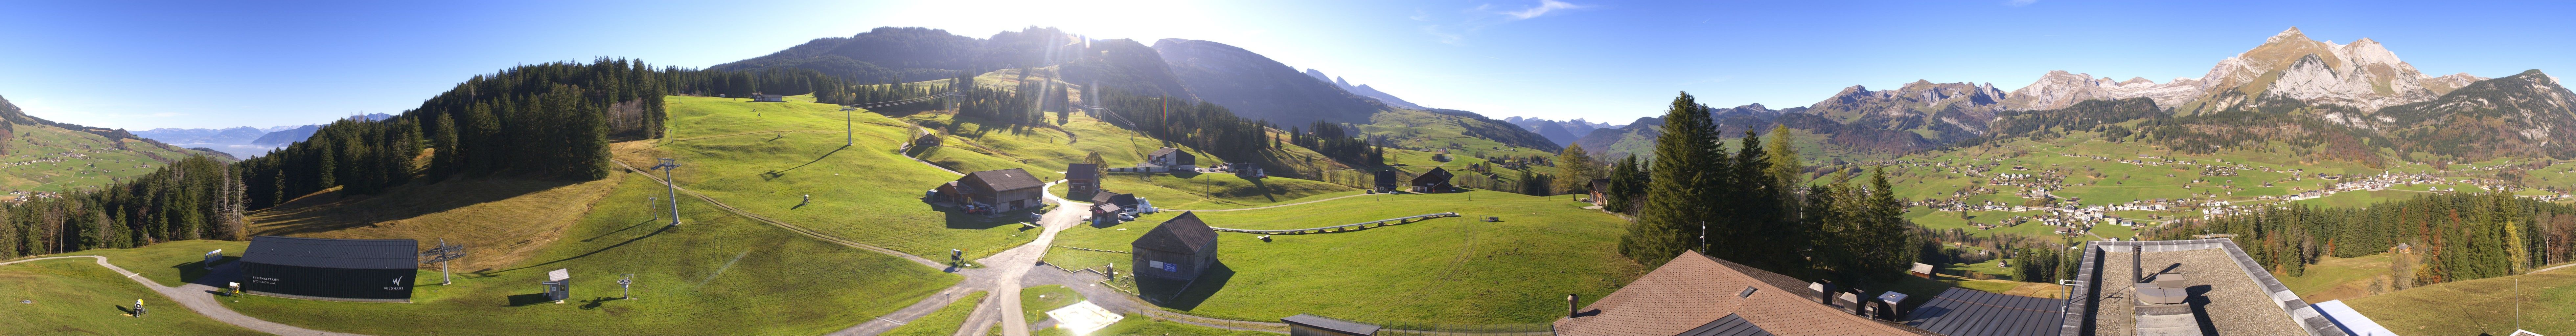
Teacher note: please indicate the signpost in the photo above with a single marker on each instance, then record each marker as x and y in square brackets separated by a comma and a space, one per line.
[623, 287]
[667, 165]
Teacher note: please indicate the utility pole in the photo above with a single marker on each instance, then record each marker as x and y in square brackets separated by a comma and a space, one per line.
[667, 165]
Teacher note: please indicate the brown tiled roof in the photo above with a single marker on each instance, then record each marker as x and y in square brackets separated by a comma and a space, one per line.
[1693, 289]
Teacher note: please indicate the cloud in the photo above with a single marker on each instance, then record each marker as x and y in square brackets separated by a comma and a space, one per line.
[1482, 16]
[1545, 6]
[2019, 3]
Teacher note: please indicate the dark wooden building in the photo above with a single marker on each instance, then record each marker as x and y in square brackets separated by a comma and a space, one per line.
[1311, 325]
[1004, 190]
[1174, 158]
[1179, 249]
[1081, 179]
[1600, 190]
[1387, 181]
[377, 270]
[1125, 202]
[767, 98]
[1434, 181]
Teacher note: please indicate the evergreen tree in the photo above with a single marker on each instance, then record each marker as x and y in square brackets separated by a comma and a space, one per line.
[1672, 217]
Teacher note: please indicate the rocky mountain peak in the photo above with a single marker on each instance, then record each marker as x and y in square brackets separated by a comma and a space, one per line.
[2287, 35]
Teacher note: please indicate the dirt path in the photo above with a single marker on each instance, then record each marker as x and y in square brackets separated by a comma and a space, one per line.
[200, 298]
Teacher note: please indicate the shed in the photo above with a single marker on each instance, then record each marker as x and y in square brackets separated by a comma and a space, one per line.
[1180, 248]
[1175, 158]
[1387, 181]
[376, 270]
[767, 98]
[1434, 181]
[1081, 178]
[1006, 189]
[1600, 191]
[1311, 325]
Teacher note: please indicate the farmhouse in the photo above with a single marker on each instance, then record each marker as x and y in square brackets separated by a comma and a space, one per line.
[1125, 202]
[1697, 295]
[995, 190]
[377, 270]
[767, 98]
[1172, 158]
[1081, 179]
[1179, 249]
[1434, 181]
[1387, 181]
[1600, 191]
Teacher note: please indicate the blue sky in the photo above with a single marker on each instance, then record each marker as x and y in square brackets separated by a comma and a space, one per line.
[140, 65]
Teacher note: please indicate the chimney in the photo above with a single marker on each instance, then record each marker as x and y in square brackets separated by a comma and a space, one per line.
[2137, 267]
[1570, 301]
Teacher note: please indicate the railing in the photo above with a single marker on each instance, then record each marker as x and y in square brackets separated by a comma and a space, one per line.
[1343, 227]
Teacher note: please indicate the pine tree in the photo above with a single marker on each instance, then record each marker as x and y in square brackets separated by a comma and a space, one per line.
[1675, 192]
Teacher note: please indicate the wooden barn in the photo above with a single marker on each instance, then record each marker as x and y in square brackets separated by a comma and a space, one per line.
[1387, 181]
[1600, 191]
[1434, 181]
[767, 98]
[1125, 202]
[1179, 249]
[1172, 158]
[997, 190]
[1081, 179]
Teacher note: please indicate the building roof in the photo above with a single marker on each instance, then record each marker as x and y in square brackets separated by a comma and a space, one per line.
[1082, 171]
[2351, 321]
[2233, 294]
[1334, 324]
[1168, 151]
[1006, 179]
[1435, 175]
[1112, 197]
[1967, 312]
[1731, 325]
[1693, 290]
[333, 253]
[1184, 233]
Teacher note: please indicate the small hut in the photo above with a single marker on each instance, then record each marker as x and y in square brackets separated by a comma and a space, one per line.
[1387, 181]
[767, 98]
[1173, 159]
[1081, 178]
[1434, 181]
[1179, 249]
[1600, 190]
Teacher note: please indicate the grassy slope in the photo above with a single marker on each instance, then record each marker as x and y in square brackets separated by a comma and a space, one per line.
[1036, 301]
[1449, 270]
[76, 297]
[1045, 152]
[943, 322]
[1426, 130]
[718, 274]
[1140, 325]
[499, 221]
[170, 263]
[50, 159]
[2478, 306]
[761, 157]
[2338, 278]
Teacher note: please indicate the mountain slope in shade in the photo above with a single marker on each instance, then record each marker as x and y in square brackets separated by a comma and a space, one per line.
[2529, 114]
[1363, 90]
[1126, 66]
[1257, 87]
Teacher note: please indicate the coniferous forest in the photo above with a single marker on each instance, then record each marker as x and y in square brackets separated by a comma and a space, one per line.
[1746, 205]
[2446, 237]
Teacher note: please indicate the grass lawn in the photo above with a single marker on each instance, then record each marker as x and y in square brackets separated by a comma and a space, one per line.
[55, 159]
[762, 157]
[2482, 306]
[2339, 278]
[77, 297]
[170, 263]
[1036, 301]
[500, 221]
[1448, 270]
[717, 274]
[1139, 325]
[943, 322]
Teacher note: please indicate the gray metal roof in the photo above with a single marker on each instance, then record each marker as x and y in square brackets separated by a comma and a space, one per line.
[1007, 179]
[1334, 324]
[1967, 312]
[1184, 233]
[1731, 325]
[333, 253]
[1081, 171]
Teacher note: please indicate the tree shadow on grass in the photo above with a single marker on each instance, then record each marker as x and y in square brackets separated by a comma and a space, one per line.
[959, 219]
[324, 213]
[1185, 295]
[528, 299]
[630, 227]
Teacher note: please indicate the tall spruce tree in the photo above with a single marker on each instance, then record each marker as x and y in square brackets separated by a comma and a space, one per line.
[1676, 196]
